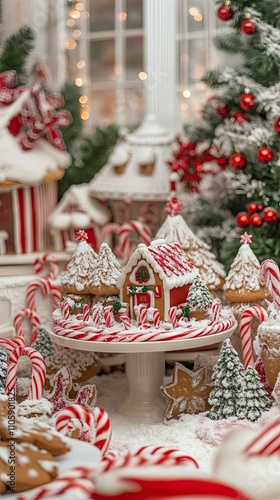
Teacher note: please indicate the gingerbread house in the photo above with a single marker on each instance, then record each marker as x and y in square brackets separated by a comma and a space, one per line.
[28, 181]
[135, 182]
[158, 276]
[78, 210]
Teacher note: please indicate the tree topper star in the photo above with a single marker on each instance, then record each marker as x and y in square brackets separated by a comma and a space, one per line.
[246, 238]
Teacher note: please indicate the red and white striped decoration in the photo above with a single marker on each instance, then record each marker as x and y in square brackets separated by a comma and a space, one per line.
[96, 315]
[86, 312]
[125, 321]
[270, 277]
[47, 287]
[34, 321]
[11, 345]
[31, 208]
[266, 442]
[38, 371]
[65, 309]
[143, 231]
[155, 314]
[149, 214]
[245, 332]
[142, 316]
[216, 309]
[73, 412]
[172, 313]
[103, 428]
[47, 261]
[108, 229]
[108, 316]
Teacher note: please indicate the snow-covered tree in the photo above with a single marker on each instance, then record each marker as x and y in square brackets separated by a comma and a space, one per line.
[3, 369]
[43, 344]
[199, 298]
[106, 272]
[80, 268]
[253, 399]
[227, 376]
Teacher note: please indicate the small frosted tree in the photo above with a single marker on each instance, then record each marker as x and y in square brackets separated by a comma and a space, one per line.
[227, 376]
[199, 298]
[3, 370]
[253, 399]
[43, 344]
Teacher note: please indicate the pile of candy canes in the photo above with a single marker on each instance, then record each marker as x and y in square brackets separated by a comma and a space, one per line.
[99, 325]
[270, 277]
[125, 248]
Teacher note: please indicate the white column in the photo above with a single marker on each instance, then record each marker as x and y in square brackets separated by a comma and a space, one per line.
[161, 62]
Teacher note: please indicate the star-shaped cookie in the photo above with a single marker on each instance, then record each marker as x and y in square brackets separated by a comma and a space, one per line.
[187, 393]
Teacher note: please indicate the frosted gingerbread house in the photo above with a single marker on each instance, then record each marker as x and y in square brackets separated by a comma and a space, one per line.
[78, 210]
[135, 182]
[32, 159]
[158, 276]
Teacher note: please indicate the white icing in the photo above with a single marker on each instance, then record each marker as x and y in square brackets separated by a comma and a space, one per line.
[244, 271]
[107, 269]
[81, 267]
[32, 473]
[119, 156]
[47, 465]
[146, 156]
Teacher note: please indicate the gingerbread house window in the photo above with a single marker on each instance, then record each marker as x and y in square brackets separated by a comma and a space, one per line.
[142, 274]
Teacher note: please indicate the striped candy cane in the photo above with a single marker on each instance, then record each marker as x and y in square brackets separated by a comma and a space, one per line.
[245, 332]
[108, 316]
[65, 309]
[71, 412]
[47, 287]
[125, 321]
[270, 275]
[10, 345]
[103, 429]
[216, 309]
[34, 321]
[38, 371]
[86, 312]
[267, 441]
[96, 315]
[142, 316]
[41, 262]
[133, 225]
[155, 314]
[172, 313]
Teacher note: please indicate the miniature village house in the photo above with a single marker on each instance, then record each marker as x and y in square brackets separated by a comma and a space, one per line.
[158, 276]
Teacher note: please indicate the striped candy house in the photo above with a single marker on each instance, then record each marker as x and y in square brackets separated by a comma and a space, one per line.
[28, 186]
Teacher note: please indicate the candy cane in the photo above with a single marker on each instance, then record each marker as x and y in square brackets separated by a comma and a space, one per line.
[267, 440]
[84, 488]
[216, 309]
[65, 309]
[96, 315]
[40, 262]
[38, 371]
[107, 314]
[112, 227]
[75, 411]
[245, 332]
[34, 320]
[172, 313]
[103, 429]
[142, 316]
[133, 225]
[86, 311]
[155, 315]
[125, 321]
[269, 273]
[149, 213]
[47, 287]
[10, 345]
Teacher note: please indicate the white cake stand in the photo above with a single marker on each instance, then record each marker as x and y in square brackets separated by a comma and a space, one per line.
[145, 365]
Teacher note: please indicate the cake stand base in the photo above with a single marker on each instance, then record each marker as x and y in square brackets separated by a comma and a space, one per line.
[145, 372]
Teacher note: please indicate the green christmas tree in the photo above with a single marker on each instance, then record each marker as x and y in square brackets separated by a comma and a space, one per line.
[199, 297]
[253, 399]
[240, 127]
[227, 376]
[43, 344]
[3, 369]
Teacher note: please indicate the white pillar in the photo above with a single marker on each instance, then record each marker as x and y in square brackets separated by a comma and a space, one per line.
[161, 62]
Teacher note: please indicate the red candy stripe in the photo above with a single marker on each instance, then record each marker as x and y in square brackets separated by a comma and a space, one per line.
[245, 332]
[34, 320]
[38, 371]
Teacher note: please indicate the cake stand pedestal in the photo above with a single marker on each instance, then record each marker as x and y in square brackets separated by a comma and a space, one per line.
[145, 365]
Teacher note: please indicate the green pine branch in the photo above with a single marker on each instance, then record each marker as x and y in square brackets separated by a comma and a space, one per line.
[15, 52]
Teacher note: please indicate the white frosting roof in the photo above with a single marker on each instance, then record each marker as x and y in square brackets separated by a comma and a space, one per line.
[26, 167]
[151, 141]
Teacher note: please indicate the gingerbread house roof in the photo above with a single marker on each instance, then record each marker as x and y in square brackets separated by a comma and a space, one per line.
[26, 167]
[167, 259]
[149, 143]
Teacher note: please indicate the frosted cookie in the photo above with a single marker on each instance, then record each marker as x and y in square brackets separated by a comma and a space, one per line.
[41, 409]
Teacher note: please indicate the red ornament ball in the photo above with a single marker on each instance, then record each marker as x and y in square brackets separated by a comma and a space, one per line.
[224, 13]
[222, 110]
[237, 160]
[248, 27]
[277, 125]
[270, 214]
[222, 162]
[239, 117]
[265, 154]
[242, 219]
[260, 208]
[252, 208]
[247, 102]
[256, 220]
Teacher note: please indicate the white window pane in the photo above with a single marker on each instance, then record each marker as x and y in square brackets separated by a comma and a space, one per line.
[134, 57]
[103, 107]
[197, 60]
[102, 58]
[102, 15]
[134, 11]
[196, 16]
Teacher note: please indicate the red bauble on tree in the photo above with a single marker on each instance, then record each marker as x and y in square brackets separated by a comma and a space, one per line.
[248, 27]
[270, 214]
[222, 110]
[256, 220]
[260, 208]
[224, 13]
[222, 162]
[239, 117]
[277, 125]
[242, 219]
[247, 101]
[237, 160]
[252, 208]
[265, 154]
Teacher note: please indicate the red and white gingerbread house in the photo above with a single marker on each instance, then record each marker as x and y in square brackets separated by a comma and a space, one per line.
[158, 276]
[32, 159]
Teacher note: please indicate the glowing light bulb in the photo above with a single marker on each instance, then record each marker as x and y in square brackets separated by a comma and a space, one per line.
[80, 6]
[84, 115]
[75, 14]
[193, 11]
[186, 93]
[83, 99]
[142, 75]
[76, 33]
[81, 64]
[70, 22]
[184, 106]
[122, 16]
[71, 44]
[78, 82]
[198, 17]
